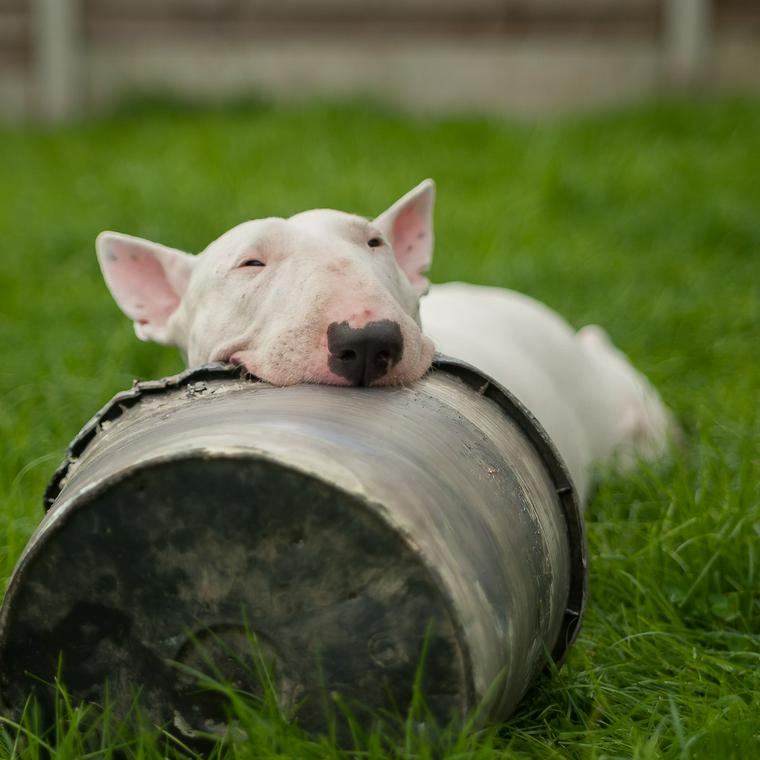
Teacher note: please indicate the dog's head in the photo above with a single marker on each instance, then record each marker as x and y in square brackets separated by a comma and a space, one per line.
[321, 297]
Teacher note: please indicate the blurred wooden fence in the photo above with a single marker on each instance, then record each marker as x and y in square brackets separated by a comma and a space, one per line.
[58, 57]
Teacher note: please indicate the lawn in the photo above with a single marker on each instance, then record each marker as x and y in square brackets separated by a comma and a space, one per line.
[645, 220]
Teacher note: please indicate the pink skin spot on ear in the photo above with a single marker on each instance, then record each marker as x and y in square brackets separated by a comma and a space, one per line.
[139, 280]
[409, 235]
[408, 226]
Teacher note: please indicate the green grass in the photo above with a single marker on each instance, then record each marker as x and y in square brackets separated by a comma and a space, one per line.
[645, 220]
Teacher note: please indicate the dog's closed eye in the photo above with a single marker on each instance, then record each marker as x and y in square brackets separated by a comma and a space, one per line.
[253, 263]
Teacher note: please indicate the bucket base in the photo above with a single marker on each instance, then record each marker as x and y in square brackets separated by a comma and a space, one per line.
[238, 562]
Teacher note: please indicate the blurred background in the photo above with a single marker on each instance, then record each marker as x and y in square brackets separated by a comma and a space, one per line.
[602, 156]
[59, 58]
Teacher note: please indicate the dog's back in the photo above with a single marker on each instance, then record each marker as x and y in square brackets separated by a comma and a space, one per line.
[595, 405]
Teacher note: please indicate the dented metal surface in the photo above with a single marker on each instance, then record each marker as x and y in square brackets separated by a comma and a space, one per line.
[339, 525]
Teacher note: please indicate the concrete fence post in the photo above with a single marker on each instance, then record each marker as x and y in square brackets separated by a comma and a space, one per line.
[58, 60]
[686, 41]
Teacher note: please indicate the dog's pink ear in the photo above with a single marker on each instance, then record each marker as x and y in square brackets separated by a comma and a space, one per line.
[408, 226]
[147, 281]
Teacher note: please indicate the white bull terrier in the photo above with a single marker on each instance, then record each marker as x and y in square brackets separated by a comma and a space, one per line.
[330, 297]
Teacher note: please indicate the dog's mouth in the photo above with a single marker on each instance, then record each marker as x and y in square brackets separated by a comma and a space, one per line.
[246, 367]
[236, 361]
[315, 368]
[296, 376]
[232, 353]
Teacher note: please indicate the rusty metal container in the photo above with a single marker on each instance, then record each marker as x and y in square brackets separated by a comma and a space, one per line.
[347, 529]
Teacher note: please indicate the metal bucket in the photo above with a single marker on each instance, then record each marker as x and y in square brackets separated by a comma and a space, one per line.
[348, 529]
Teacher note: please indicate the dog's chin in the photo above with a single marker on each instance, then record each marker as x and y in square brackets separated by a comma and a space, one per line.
[285, 378]
[405, 376]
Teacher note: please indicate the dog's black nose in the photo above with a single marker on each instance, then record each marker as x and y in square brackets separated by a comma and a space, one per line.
[364, 354]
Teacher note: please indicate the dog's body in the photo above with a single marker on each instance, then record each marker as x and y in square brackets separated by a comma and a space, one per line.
[586, 394]
[330, 297]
